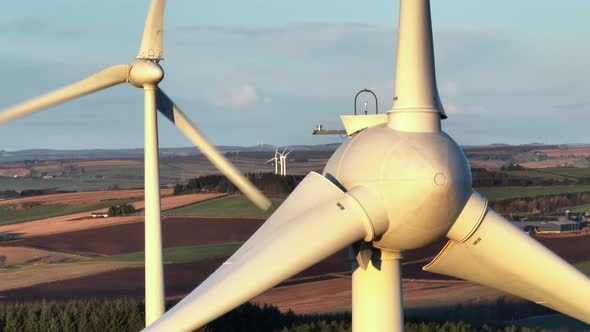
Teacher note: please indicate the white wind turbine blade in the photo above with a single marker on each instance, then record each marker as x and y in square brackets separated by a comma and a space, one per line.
[290, 241]
[101, 80]
[152, 41]
[171, 111]
[497, 254]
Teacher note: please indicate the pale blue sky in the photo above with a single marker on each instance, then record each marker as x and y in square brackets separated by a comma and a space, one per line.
[252, 71]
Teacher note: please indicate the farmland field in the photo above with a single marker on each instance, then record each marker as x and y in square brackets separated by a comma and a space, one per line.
[128, 237]
[570, 172]
[11, 257]
[128, 174]
[69, 183]
[231, 206]
[12, 214]
[80, 197]
[63, 223]
[538, 173]
[197, 246]
[38, 274]
[180, 254]
[501, 193]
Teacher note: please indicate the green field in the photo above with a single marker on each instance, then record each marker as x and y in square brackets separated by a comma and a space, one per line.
[180, 254]
[501, 193]
[584, 267]
[538, 173]
[570, 172]
[230, 206]
[10, 214]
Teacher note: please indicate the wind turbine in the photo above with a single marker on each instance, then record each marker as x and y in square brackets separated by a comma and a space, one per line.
[145, 72]
[398, 183]
[283, 160]
[275, 159]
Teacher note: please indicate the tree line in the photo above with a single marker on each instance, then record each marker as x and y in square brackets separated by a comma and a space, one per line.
[540, 204]
[269, 183]
[30, 192]
[121, 210]
[128, 315]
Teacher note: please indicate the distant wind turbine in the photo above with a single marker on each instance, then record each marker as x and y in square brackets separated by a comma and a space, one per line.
[275, 160]
[145, 72]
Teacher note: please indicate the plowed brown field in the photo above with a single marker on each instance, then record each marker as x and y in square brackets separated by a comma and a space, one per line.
[125, 238]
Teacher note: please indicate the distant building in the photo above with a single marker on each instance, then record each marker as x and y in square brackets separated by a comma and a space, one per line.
[99, 214]
[565, 226]
[575, 216]
[527, 226]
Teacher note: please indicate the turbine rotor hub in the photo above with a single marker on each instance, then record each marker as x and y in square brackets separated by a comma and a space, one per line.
[422, 180]
[145, 72]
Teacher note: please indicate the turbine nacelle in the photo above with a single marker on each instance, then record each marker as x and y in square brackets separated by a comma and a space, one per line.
[145, 73]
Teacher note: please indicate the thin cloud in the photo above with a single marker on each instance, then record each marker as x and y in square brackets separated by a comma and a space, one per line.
[236, 97]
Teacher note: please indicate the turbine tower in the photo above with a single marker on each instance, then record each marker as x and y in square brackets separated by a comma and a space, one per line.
[398, 183]
[145, 72]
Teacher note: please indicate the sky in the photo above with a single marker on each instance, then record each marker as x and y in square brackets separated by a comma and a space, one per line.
[251, 72]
